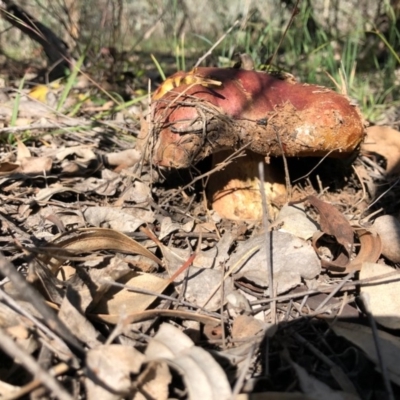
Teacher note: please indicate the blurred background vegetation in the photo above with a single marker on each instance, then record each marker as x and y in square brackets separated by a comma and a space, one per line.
[351, 44]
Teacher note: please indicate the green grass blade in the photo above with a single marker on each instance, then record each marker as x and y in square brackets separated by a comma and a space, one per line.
[15, 109]
[158, 66]
[70, 82]
[387, 44]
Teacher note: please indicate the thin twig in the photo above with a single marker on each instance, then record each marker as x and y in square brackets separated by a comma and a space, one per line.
[34, 298]
[161, 296]
[364, 191]
[285, 164]
[315, 166]
[6, 298]
[327, 289]
[268, 241]
[209, 52]
[245, 257]
[50, 125]
[294, 13]
[383, 194]
[335, 290]
[36, 383]
[222, 310]
[218, 167]
[243, 372]
[339, 373]
[15, 352]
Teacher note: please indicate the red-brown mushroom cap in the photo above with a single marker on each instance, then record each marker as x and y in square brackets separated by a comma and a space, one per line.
[250, 107]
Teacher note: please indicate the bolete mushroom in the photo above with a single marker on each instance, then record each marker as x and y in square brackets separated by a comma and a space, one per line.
[210, 110]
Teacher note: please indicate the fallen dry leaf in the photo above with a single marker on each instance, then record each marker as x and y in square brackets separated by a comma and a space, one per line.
[385, 141]
[8, 391]
[198, 283]
[47, 193]
[370, 249]
[125, 158]
[91, 239]
[36, 165]
[119, 302]
[384, 301]
[106, 382]
[153, 382]
[85, 153]
[7, 168]
[333, 223]
[22, 150]
[151, 314]
[118, 218]
[316, 389]
[76, 321]
[362, 337]
[292, 259]
[245, 326]
[294, 220]
[388, 228]
[202, 375]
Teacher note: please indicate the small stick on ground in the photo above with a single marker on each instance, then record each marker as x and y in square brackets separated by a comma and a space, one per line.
[209, 52]
[15, 352]
[34, 298]
[268, 242]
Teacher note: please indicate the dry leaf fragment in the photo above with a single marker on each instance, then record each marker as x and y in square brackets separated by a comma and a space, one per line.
[316, 389]
[47, 193]
[125, 220]
[246, 326]
[202, 375]
[151, 314]
[362, 337]
[385, 141]
[384, 300]
[292, 259]
[388, 228]
[294, 220]
[92, 239]
[167, 227]
[125, 158]
[109, 369]
[139, 192]
[77, 322]
[7, 168]
[36, 165]
[333, 223]
[198, 283]
[8, 391]
[370, 249]
[85, 153]
[22, 151]
[153, 382]
[118, 301]
[30, 165]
